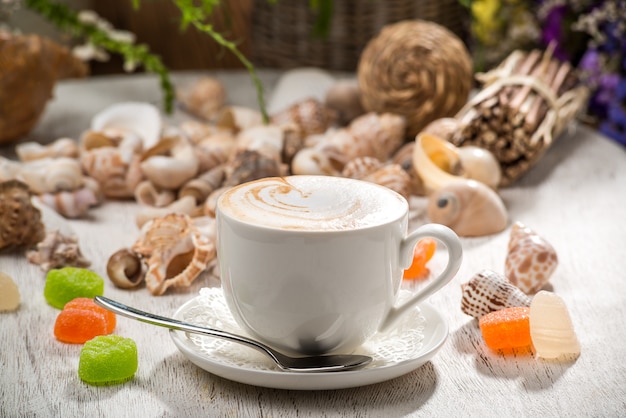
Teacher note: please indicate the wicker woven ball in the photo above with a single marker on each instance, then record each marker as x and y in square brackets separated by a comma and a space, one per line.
[417, 69]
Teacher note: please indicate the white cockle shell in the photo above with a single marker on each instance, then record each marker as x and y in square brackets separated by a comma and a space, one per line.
[488, 291]
[142, 119]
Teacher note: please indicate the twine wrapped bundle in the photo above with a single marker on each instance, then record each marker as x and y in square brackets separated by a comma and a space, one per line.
[525, 103]
[417, 69]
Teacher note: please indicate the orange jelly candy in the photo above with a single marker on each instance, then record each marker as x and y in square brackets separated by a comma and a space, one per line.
[506, 329]
[81, 320]
[424, 251]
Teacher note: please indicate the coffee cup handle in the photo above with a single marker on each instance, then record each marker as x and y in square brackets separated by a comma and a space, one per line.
[442, 234]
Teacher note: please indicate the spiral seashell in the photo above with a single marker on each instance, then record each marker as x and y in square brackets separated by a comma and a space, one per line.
[125, 269]
[202, 186]
[57, 250]
[393, 177]
[148, 194]
[361, 167]
[170, 163]
[62, 147]
[141, 119]
[310, 115]
[72, 204]
[214, 150]
[50, 175]
[488, 291]
[530, 260]
[203, 98]
[185, 205]
[20, 220]
[404, 157]
[177, 253]
[468, 207]
[116, 171]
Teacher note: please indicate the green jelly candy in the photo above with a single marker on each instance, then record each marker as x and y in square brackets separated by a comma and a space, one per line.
[67, 283]
[107, 360]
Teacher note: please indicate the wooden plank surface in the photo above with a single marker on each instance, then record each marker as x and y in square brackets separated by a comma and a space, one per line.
[575, 198]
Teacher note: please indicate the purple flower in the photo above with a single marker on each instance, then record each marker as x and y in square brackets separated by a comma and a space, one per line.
[552, 30]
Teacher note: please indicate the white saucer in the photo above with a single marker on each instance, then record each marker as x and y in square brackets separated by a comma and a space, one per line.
[414, 341]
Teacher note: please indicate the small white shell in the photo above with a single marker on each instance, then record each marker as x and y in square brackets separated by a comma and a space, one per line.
[62, 147]
[488, 291]
[551, 329]
[314, 162]
[72, 204]
[142, 119]
[184, 205]
[148, 194]
[50, 175]
[170, 163]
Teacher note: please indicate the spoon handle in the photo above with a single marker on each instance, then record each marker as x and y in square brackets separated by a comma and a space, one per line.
[170, 323]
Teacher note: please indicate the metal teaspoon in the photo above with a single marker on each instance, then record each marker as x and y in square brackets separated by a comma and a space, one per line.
[311, 364]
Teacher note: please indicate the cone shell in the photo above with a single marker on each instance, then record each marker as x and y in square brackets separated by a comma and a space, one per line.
[530, 261]
[20, 220]
[488, 291]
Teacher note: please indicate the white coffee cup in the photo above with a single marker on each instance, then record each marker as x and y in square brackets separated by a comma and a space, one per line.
[313, 264]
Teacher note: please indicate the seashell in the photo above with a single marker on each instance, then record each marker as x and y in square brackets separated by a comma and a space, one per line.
[376, 135]
[57, 250]
[344, 97]
[9, 169]
[202, 186]
[442, 128]
[315, 162]
[309, 115]
[62, 147]
[10, 295]
[170, 163]
[184, 205]
[266, 139]
[24, 59]
[393, 177]
[215, 150]
[530, 260]
[148, 194]
[116, 170]
[141, 119]
[361, 167]
[480, 164]
[125, 269]
[468, 207]
[248, 165]
[73, 204]
[203, 98]
[195, 130]
[551, 329]
[20, 220]
[210, 204]
[50, 175]
[94, 186]
[488, 291]
[404, 157]
[239, 118]
[176, 252]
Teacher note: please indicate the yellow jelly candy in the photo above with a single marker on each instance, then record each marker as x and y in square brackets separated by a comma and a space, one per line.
[9, 293]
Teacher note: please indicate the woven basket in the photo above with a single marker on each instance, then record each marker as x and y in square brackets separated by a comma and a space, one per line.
[282, 31]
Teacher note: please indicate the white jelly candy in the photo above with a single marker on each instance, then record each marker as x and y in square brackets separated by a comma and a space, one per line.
[551, 329]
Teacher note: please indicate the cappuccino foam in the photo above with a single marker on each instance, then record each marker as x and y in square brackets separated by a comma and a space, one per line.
[315, 203]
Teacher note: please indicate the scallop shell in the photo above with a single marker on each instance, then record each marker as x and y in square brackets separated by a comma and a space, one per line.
[203, 98]
[30, 66]
[62, 147]
[141, 119]
[20, 220]
[51, 175]
[74, 204]
[176, 252]
[468, 207]
[56, 251]
[531, 259]
[310, 115]
[125, 269]
[170, 163]
[488, 291]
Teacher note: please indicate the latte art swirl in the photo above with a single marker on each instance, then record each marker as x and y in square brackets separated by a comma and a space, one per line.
[316, 203]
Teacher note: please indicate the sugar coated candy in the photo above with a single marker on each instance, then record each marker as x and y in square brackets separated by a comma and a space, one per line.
[551, 327]
[81, 320]
[506, 328]
[424, 251]
[67, 283]
[108, 360]
[9, 293]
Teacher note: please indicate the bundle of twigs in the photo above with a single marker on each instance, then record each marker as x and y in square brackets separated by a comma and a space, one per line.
[524, 104]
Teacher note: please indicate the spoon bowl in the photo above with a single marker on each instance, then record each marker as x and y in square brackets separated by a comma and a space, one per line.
[311, 364]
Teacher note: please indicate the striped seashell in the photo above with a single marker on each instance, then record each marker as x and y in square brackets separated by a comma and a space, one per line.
[116, 171]
[381, 134]
[530, 261]
[488, 291]
[310, 115]
[72, 204]
[393, 177]
[361, 167]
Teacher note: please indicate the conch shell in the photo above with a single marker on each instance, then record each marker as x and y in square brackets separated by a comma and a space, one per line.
[30, 66]
[531, 259]
[176, 252]
[468, 207]
[20, 220]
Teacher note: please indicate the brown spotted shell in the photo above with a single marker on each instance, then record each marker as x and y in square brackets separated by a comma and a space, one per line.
[530, 261]
[30, 66]
[488, 291]
[20, 221]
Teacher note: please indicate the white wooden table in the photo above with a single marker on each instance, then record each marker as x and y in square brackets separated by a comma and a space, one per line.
[575, 198]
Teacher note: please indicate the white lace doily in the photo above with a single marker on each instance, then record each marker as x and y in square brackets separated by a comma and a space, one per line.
[403, 342]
